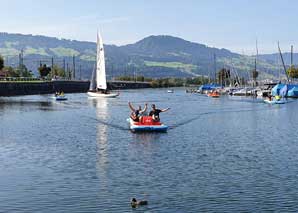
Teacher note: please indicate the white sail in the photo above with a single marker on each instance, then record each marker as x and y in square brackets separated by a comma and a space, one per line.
[100, 65]
[93, 84]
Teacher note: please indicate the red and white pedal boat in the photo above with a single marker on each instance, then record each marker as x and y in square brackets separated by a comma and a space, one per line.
[146, 124]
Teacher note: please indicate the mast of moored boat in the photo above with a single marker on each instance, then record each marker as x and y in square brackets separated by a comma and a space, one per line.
[283, 63]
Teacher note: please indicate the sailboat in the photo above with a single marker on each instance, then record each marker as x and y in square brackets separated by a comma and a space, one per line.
[98, 84]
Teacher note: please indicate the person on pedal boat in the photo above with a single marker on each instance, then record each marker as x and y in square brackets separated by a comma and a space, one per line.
[136, 114]
[155, 113]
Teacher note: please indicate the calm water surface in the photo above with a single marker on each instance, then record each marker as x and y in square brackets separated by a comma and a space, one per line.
[220, 155]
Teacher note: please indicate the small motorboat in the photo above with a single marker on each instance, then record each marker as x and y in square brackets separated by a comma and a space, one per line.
[59, 96]
[146, 124]
[274, 101]
[213, 94]
[170, 91]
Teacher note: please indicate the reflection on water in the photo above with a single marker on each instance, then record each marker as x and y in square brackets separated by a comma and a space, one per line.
[101, 107]
[22, 104]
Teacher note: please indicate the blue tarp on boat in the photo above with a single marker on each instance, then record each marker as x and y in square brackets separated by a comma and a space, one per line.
[292, 90]
[275, 90]
[209, 87]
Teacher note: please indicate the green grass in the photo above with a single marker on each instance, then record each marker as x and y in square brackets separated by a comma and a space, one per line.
[39, 51]
[9, 44]
[88, 57]
[179, 54]
[175, 65]
[9, 51]
[61, 51]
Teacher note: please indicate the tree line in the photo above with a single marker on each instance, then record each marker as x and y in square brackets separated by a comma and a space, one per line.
[166, 82]
[21, 70]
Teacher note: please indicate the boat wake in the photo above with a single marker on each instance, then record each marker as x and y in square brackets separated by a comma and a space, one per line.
[188, 121]
[183, 122]
[115, 126]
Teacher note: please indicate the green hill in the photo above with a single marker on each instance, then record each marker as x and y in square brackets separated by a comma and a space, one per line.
[154, 56]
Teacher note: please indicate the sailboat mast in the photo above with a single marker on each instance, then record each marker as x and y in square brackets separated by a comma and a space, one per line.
[214, 58]
[283, 63]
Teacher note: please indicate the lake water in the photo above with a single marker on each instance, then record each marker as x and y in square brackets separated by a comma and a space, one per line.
[220, 155]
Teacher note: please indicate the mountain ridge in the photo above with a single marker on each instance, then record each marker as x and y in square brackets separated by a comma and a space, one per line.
[152, 56]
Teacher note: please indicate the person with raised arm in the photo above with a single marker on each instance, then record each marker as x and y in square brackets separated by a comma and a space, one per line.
[155, 113]
[136, 114]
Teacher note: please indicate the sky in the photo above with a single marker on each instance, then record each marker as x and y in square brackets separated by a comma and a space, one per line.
[230, 24]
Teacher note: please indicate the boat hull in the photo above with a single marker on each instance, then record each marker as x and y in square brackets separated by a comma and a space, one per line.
[138, 127]
[102, 95]
[275, 102]
[60, 98]
[213, 96]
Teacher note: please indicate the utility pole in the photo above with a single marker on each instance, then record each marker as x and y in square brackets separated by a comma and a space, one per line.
[67, 72]
[134, 73]
[21, 61]
[80, 72]
[74, 67]
[64, 68]
[52, 67]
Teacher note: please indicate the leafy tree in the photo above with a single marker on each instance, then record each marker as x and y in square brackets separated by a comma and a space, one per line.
[1, 62]
[292, 72]
[44, 70]
[11, 72]
[58, 71]
[22, 71]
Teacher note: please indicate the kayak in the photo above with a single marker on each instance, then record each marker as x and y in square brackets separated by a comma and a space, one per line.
[60, 98]
[147, 125]
[275, 101]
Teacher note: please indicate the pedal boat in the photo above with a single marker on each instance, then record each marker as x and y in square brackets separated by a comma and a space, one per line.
[147, 125]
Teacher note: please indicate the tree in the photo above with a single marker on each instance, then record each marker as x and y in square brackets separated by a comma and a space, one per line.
[58, 71]
[1, 62]
[44, 70]
[22, 71]
[292, 72]
[10, 72]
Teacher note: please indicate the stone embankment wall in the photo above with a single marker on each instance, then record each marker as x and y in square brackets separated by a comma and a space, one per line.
[35, 88]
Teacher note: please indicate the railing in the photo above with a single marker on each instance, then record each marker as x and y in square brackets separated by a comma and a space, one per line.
[21, 79]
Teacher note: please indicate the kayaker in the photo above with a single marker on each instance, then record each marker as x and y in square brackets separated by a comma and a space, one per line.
[155, 112]
[136, 114]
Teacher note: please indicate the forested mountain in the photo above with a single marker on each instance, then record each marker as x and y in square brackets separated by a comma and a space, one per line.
[154, 56]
